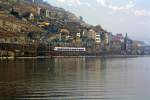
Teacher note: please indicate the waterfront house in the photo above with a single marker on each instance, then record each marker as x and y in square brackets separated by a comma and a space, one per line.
[92, 34]
[117, 43]
[98, 38]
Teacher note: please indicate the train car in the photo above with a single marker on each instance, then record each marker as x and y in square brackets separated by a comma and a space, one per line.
[70, 49]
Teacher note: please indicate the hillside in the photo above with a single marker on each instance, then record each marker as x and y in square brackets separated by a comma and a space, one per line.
[23, 17]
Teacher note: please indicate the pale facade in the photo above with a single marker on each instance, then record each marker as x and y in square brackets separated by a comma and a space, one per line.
[98, 38]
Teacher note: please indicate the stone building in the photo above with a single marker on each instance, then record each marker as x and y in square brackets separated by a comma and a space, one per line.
[43, 12]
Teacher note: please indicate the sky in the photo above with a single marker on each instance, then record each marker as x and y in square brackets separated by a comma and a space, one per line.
[116, 16]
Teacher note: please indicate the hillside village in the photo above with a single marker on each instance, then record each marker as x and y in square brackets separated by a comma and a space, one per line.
[36, 22]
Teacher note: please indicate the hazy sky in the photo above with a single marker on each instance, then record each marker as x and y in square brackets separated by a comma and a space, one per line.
[117, 16]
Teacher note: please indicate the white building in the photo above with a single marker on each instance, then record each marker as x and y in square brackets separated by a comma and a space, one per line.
[98, 38]
[78, 35]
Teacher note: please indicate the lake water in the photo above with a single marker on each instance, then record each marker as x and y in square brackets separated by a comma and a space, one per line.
[75, 79]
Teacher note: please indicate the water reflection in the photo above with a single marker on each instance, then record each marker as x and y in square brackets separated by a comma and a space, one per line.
[75, 78]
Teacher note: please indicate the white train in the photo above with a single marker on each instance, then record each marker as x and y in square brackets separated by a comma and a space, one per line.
[70, 49]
